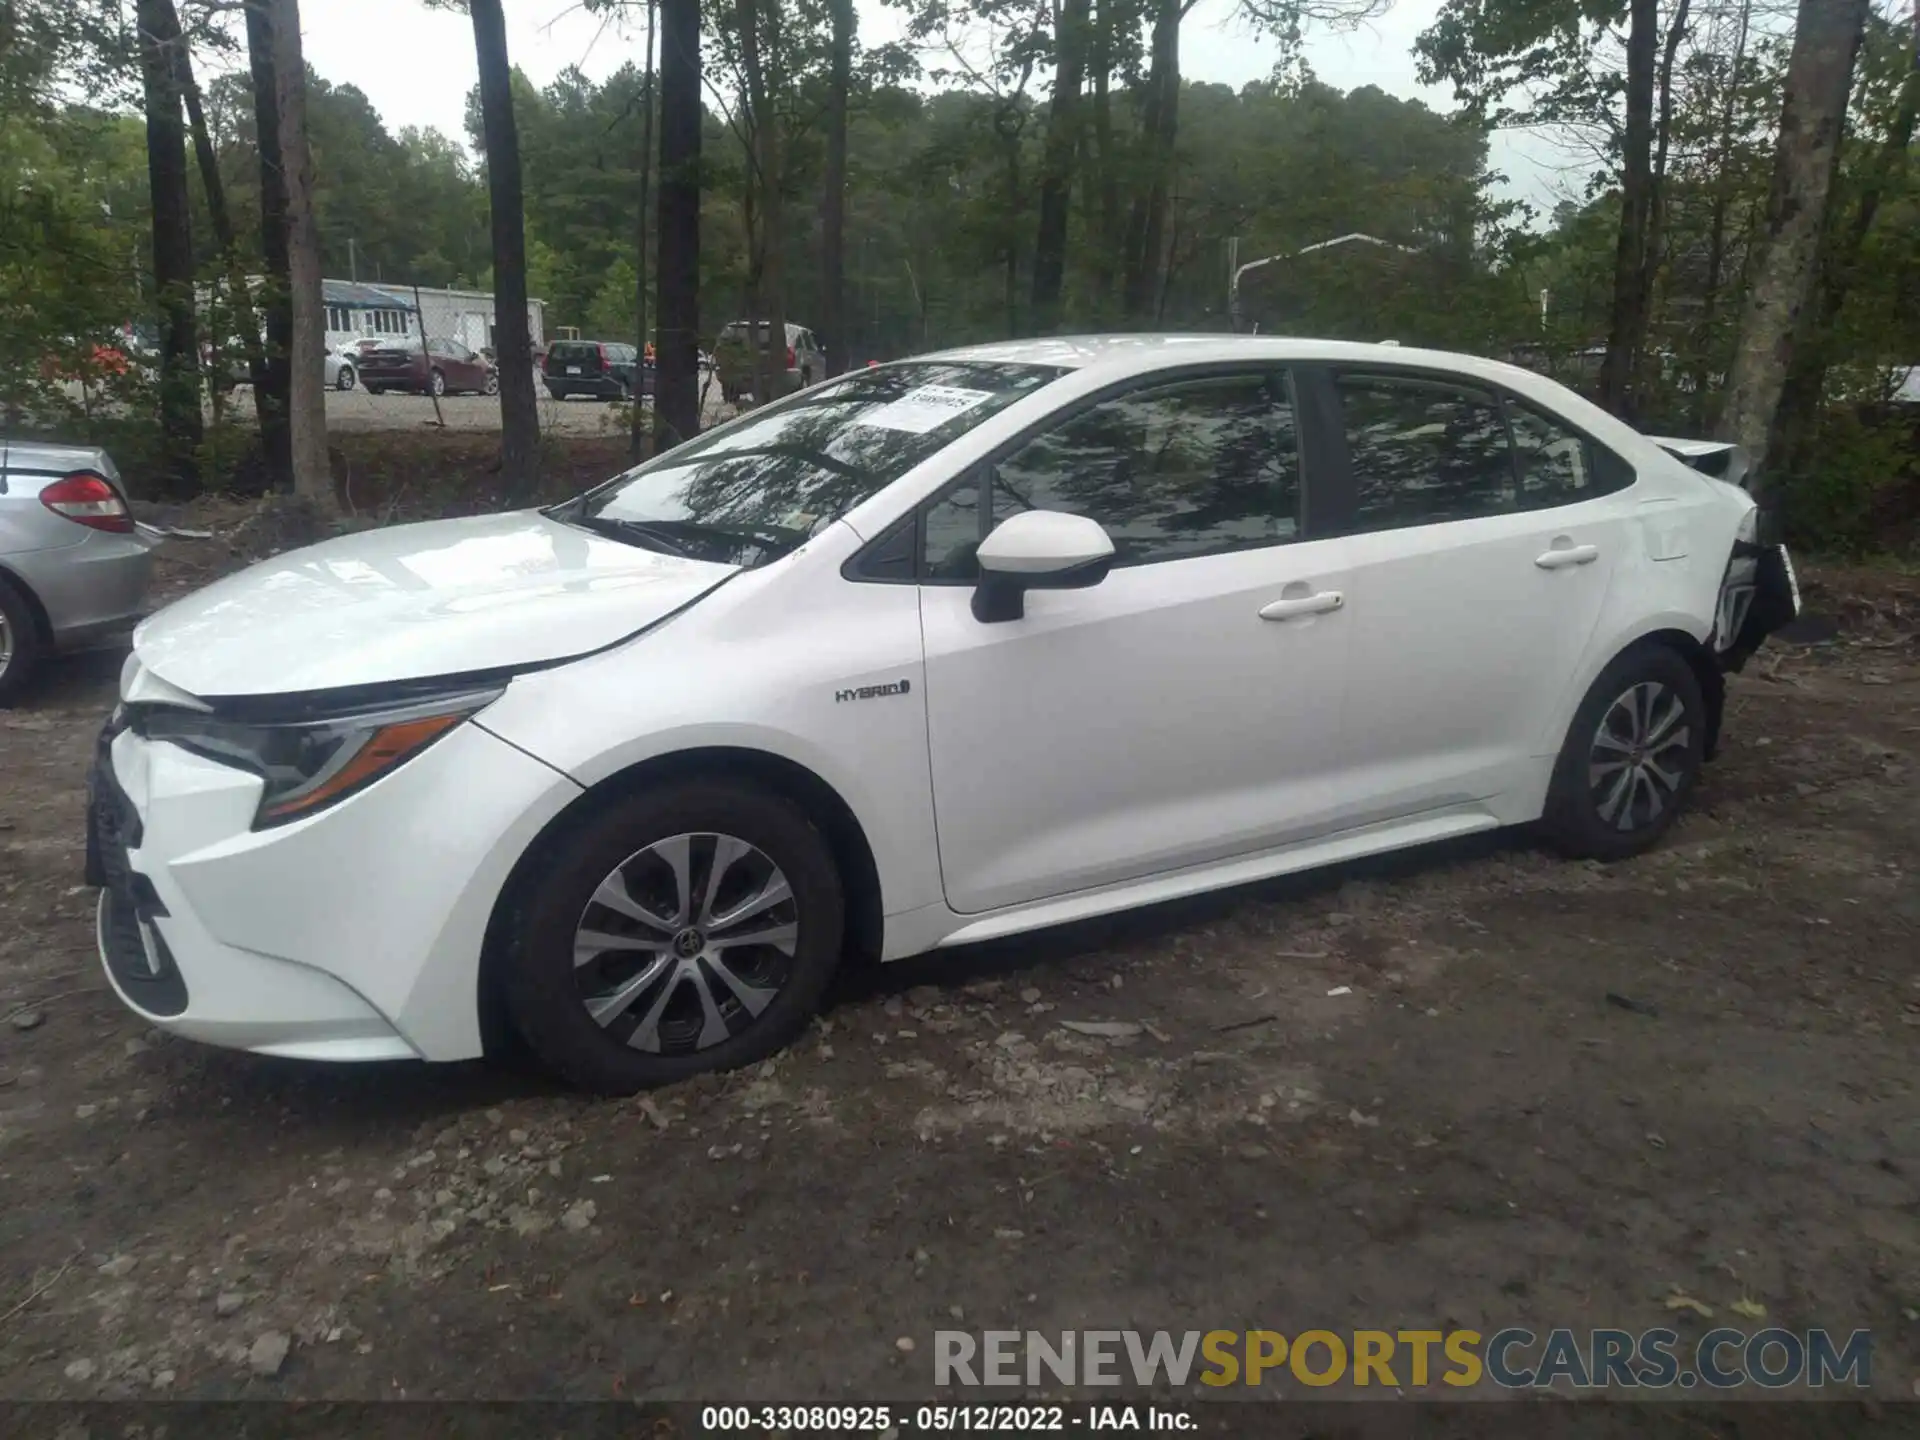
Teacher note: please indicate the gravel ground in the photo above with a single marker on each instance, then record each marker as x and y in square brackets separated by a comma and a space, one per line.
[1469, 1086]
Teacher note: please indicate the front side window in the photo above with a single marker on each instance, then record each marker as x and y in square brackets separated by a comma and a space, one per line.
[753, 490]
[1171, 472]
[1424, 452]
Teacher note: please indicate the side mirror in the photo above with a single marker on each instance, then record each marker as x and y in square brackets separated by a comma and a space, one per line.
[1037, 550]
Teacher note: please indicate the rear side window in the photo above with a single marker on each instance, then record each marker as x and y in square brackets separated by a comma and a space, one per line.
[1424, 452]
[573, 350]
[1556, 466]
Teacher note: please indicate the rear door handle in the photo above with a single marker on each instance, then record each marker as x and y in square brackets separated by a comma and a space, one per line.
[1290, 609]
[1560, 557]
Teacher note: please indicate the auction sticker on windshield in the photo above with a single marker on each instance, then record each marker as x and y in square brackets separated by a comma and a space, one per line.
[924, 409]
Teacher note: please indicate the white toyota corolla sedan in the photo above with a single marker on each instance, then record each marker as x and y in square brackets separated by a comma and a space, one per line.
[940, 651]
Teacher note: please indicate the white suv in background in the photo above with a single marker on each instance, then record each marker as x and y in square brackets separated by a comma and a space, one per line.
[939, 651]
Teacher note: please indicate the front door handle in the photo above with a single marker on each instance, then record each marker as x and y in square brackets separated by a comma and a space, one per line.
[1561, 556]
[1299, 605]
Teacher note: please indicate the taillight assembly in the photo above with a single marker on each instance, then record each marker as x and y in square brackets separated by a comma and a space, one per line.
[605, 364]
[88, 499]
[789, 357]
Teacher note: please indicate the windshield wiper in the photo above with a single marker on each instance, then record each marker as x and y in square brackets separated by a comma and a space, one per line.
[652, 536]
[684, 537]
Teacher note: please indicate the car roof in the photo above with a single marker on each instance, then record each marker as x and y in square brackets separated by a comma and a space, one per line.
[1121, 353]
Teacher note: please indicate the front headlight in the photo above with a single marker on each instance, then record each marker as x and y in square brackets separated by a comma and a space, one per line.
[306, 765]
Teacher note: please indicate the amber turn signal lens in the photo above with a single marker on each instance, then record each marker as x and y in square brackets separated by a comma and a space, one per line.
[387, 748]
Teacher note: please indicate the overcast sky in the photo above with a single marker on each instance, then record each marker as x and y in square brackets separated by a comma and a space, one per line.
[417, 65]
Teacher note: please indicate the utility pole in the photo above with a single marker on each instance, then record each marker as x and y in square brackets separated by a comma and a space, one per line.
[353, 259]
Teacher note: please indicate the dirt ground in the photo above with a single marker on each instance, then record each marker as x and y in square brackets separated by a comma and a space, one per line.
[1550, 1094]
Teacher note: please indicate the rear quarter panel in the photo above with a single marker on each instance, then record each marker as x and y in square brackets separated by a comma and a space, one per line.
[1676, 540]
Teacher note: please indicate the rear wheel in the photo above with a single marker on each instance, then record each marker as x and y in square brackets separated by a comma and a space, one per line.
[1631, 757]
[20, 644]
[344, 380]
[437, 383]
[376, 389]
[681, 930]
[492, 386]
[623, 389]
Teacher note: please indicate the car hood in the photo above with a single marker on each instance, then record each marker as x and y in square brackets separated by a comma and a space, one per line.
[414, 602]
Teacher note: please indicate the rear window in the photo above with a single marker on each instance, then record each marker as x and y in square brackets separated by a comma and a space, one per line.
[574, 350]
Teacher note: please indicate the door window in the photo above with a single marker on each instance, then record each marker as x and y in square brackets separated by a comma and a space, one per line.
[1424, 452]
[1556, 466]
[1171, 472]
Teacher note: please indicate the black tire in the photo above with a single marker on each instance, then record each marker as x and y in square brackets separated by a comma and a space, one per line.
[492, 386]
[344, 380]
[20, 643]
[375, 389]
[556, 394]
[542, 986]
[437, 383]
[624, 391]
[1600, 808]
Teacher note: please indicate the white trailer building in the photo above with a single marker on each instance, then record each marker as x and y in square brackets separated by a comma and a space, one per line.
[358, 308]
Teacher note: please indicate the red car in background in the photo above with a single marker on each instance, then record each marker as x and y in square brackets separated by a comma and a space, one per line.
[444, 367]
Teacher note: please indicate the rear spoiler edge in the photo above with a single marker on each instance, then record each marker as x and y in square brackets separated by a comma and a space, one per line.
[1721, 459]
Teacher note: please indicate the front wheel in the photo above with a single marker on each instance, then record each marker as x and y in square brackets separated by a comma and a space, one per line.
[1630, 759]
[437, 383]
[344, 380]
[492, 387]
[680, 930]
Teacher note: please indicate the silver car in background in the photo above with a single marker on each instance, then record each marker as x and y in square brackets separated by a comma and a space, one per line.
[74, 566]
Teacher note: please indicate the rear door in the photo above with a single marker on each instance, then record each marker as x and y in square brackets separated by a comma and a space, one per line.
[1484, 534]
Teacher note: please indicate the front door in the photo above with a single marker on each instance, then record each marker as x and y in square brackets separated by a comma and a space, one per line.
[1187, 708]
[1484, 537]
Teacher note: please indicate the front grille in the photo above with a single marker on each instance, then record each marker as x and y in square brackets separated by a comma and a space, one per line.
[132, 945]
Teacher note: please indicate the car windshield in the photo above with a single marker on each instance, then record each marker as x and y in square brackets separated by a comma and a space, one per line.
[755, 489]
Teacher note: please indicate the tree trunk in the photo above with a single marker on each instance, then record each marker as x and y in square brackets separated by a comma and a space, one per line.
[245, 320]
[1655, 254]
[768, 264]
[1056, 166]
[1627, 327]
[1009, 127]
[1146, 229]
[306, 381]
[1806, 384]
[1106, 251]
[1819, 79]
[833, 207]
[676, 404]
[180, 427]
[512, 339]
[270, 399]
[1717, 225]
[637, 436]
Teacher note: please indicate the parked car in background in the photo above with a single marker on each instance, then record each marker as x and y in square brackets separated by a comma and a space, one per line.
[602, 369]
[341, 368]
[443, 367]
[73, 568]
[805, 360]
[936, 653]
